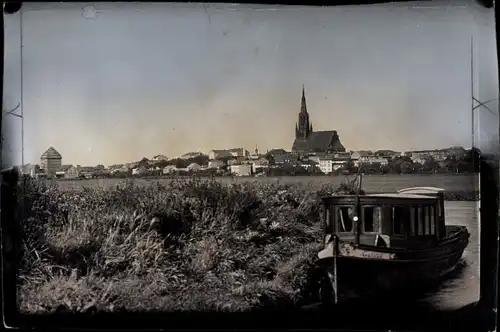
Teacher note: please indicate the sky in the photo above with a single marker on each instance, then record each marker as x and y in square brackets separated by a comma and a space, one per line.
[112, 83]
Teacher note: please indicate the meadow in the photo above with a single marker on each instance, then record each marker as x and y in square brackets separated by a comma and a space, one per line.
[169, 245]
[371, 183]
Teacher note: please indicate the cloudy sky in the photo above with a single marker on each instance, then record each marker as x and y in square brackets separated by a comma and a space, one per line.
[127, 80]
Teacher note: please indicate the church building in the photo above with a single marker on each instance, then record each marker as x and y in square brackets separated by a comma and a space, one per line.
[308, 141]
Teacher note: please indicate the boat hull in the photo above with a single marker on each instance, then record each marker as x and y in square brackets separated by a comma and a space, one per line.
[394, 271]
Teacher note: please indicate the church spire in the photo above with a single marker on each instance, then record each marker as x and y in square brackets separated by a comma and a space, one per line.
[303, 128]
[303, 106]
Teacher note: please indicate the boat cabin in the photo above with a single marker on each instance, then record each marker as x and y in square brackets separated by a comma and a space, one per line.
[400, 220]
[430, 191]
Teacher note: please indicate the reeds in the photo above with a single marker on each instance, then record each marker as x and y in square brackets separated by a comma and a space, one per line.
[194, 245]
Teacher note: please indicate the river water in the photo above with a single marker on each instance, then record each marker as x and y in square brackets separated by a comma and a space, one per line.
[463, 288]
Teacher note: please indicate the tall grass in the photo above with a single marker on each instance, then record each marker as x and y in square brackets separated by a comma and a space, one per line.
[192, 245]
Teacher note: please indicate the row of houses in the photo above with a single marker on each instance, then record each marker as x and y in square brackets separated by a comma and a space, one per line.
[233, 153]
[438, 155]
[238, 161]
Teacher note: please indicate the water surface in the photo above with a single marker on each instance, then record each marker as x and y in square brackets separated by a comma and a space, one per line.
[463, 288]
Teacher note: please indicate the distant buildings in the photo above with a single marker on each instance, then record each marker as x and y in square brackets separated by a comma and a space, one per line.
[191, 155]
[308, 141]
[368, 157]
[240, 162]
[239, 152]
[437, 154]
[241, 169]
[275, 152]
[260, 165]
[141, 170]
[193, 167]
[169, 169]
[220, 154]
[215, 163]
[159, 157]
[51, 161]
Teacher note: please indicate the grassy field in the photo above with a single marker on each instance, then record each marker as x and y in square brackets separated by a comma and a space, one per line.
[177, 245]
[371, 183]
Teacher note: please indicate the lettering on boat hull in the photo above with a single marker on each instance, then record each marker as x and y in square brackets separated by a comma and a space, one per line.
[347, 250]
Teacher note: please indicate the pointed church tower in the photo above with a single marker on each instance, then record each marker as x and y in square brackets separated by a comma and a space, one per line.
[303, 105]
[303, 128]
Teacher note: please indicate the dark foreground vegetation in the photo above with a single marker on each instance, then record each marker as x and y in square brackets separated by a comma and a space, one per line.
[188, 245]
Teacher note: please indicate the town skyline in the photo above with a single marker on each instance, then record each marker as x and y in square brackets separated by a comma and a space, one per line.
[236, 79]
[249, 151]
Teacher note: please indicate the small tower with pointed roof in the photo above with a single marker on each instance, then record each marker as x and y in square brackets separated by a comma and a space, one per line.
[51, 161]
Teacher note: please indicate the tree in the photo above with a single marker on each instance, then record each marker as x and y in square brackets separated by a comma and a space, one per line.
[162, 164]
[406, 167]
[226, 159]
[430, 165]
[472, 157]
[180, 163]
[200, 160]
[144, 162]
[269, 158]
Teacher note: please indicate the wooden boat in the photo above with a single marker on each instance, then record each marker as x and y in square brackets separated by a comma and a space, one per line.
[381, 243]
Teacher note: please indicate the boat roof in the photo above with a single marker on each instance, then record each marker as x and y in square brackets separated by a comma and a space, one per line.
[409, 196]
[421, 190]
[383, 198]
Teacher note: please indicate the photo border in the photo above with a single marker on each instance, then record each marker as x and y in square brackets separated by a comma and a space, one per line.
[482, 314]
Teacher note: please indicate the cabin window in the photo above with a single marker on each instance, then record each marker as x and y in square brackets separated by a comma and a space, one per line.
[328, 220]
[399, 216]
[345, 215]
[432, 216]
[420, 221]
[427, 221]
[413, 221]
[438, 209]
[371, 218]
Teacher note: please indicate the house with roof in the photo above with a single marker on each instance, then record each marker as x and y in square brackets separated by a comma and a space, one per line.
[30, 170]
[218, 154]
[260, 165]
[139, 170]
[238, 160]
[241, 169]
[276, 152]
[159, 157]
[255, 154]
[191, 155]
[308, 141]
[239, 152]
[193, 167]
[85, 171]
[66, 171]
[119, 169]
[215, 163]
[324, 162]
[169, 169]
[388, 154]
[368, 157]
[288, 158]
[51, 161]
